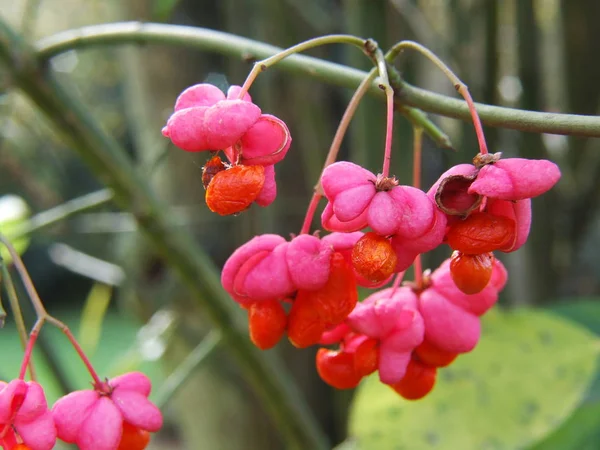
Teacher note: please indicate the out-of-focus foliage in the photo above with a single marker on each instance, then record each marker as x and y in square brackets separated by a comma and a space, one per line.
[14, 213]
[92, 317]
[162, 9]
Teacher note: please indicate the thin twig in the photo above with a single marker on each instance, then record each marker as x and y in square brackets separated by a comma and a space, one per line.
[63, 211]
[195, 359]
[15, 307]
[42, 316]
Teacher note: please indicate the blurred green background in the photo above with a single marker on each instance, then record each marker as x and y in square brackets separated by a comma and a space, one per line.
[539, 55]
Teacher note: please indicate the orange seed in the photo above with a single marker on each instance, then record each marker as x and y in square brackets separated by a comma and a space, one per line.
[373, 257]
[471, 273]
[233, 190]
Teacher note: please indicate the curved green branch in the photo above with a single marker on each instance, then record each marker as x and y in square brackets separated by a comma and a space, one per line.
[132, 192]
[239, 47]
[227, 44]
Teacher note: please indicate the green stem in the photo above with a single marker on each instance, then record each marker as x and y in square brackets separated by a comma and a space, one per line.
[2, 314]
[239, 47]
[63, 211]
[46, 348]
[419, 119]
[42, 316]
[15, 306]
[187, 368]
[132, 192]
[19, 266]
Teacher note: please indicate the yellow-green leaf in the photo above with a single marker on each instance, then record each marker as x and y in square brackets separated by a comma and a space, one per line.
[92, 317]
[527, 375]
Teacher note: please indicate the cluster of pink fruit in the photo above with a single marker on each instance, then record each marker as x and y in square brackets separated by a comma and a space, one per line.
[207, 119]
[307, 287]
[115, 415]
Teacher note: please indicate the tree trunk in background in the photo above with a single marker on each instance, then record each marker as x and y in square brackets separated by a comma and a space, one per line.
[540, 276]
[582, 47]
[582, 38]
[492, 63]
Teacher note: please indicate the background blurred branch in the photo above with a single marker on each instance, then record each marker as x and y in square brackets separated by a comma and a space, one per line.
[228, 44]
[63, 211]
[188, 366]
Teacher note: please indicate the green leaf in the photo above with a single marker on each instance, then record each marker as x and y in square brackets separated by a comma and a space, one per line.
[582, 429]
[14, 214]
[526, 376]
[583, 310]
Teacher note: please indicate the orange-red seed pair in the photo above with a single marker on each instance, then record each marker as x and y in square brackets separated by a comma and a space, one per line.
[230, 191]
[473, 240]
